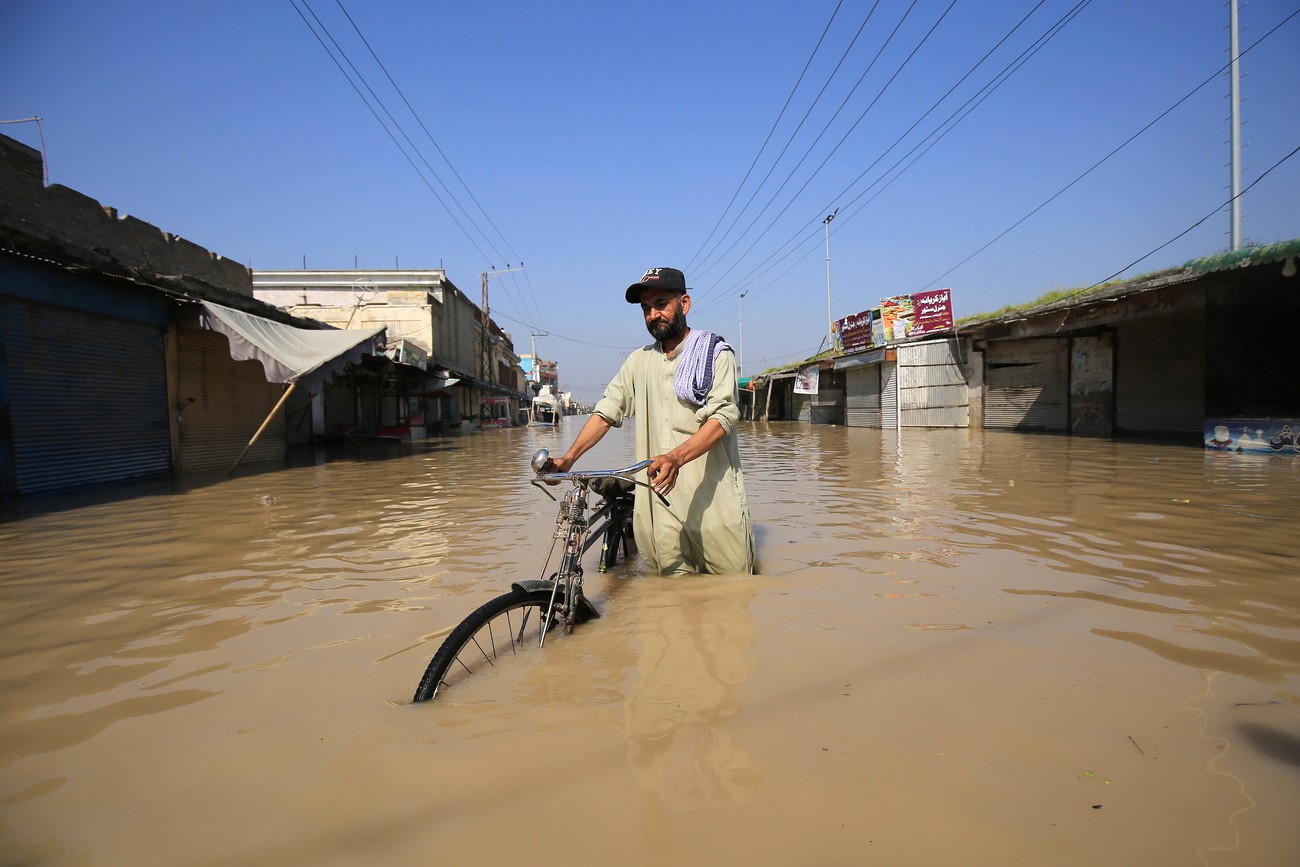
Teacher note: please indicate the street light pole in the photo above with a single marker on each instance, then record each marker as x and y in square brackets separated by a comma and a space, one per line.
[740, 368]
[830, 321]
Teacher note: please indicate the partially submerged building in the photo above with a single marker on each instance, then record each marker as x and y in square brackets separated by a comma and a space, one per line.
[127, 352]
[1174, 354]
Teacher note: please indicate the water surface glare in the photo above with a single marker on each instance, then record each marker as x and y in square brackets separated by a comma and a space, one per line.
[963, 647]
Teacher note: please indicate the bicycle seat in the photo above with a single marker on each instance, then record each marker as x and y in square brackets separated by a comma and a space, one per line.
[609, 488]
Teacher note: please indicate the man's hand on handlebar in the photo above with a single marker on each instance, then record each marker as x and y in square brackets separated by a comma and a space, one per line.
[557, 465]
[662, 473]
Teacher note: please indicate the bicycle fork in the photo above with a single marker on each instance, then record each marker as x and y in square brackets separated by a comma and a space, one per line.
[570, 574]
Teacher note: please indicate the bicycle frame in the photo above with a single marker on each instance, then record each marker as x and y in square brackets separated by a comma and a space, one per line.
[573, 526]
[498, 626]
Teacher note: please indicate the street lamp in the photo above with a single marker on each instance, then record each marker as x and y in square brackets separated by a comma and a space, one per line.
[830, 321]
[740, 367]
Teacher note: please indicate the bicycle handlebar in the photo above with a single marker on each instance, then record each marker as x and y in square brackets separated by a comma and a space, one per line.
[543, 457]
[589, 475]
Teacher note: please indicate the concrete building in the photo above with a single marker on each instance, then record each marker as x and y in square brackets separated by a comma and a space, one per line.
[129, 353]
[452, 369]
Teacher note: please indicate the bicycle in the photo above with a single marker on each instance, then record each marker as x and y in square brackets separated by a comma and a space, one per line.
[500, 627]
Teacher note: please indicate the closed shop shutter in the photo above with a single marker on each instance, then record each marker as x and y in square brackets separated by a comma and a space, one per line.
[1027, 384]
[87, 397]
[1160, 374]
[223, 403]
[862, 396]
[889, 395]
[932, 389]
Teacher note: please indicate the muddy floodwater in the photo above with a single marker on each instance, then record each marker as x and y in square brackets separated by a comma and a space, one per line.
[963, 648]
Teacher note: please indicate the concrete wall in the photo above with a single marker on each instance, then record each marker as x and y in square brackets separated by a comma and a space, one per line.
[71, 228]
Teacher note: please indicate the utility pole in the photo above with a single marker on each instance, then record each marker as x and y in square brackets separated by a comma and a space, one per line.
[537, 371]
[485, 362]
[740, 368]
[830, 321]
[1234, 230]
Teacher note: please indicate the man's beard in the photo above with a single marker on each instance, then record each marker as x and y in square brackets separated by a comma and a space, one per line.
[662, 331]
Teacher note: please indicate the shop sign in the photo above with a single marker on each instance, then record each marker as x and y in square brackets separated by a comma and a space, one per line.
[931, 312]
[853, 333]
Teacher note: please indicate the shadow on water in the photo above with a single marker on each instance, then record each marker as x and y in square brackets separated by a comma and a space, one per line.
[1279, 745]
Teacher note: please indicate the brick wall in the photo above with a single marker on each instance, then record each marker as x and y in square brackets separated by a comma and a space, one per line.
[64, 225]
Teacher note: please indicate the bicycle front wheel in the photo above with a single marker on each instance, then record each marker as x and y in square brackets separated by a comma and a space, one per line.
[496, 631]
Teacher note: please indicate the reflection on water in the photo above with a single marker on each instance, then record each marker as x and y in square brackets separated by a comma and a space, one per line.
[952, 629]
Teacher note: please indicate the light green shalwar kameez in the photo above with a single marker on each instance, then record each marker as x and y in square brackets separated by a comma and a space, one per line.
[706, 526]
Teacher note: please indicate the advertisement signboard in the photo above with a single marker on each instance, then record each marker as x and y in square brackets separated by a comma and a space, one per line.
[897, 315]
[931, 312]
[854, 332]
[807, 379]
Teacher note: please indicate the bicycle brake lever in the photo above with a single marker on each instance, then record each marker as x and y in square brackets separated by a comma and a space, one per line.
[544, 488]
[647, 486]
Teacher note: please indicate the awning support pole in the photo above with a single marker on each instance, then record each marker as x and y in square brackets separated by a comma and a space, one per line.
[288, 391]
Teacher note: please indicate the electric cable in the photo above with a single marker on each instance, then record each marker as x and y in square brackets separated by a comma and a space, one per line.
[1217, 209]
[434, 142]
[1116, 150]
[816, 171]
[771, 131]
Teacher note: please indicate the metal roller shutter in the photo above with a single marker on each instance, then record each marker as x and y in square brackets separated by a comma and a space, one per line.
[1027, 384]
[87, 397]
[1160, 374]
[889, 395]
[223, 403]
[862, 396]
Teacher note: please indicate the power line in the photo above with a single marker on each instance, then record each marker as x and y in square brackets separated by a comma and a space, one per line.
[1116, 150]
[816, 171]
[790, 140]
[775, 124]
[378, 101]
[805, 233]
[445, 158]
[384, 126]
[1217, 209]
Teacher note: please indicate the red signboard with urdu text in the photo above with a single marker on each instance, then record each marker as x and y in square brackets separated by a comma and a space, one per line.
[931, 312]
[855, 332]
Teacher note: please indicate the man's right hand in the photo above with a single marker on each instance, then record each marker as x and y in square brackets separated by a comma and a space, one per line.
[558, 465]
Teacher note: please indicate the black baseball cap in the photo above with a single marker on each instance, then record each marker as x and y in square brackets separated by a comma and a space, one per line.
[657, 278]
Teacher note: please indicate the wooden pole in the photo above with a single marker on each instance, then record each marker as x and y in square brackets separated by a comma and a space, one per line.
[767, 404]
[288, 391]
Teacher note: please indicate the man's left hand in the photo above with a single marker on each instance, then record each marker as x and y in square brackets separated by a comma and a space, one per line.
[663, 473]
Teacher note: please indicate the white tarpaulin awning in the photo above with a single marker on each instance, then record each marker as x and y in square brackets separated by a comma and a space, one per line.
[294, 356]
[288, 354]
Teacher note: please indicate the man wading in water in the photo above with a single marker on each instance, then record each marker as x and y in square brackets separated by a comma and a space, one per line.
[682, 391]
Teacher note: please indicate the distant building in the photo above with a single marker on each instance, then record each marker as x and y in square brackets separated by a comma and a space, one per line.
[539, 372]
[451, 367]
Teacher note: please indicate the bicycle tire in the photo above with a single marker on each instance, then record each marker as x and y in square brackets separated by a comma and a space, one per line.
[484, 651]
[616, 535]
[609, 547]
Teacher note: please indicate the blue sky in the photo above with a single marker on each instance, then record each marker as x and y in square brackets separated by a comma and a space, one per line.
[595, 140]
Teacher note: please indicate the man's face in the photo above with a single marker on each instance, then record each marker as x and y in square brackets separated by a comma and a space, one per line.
[665, 313]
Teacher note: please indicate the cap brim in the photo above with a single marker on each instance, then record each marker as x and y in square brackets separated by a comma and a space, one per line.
[634, 291]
